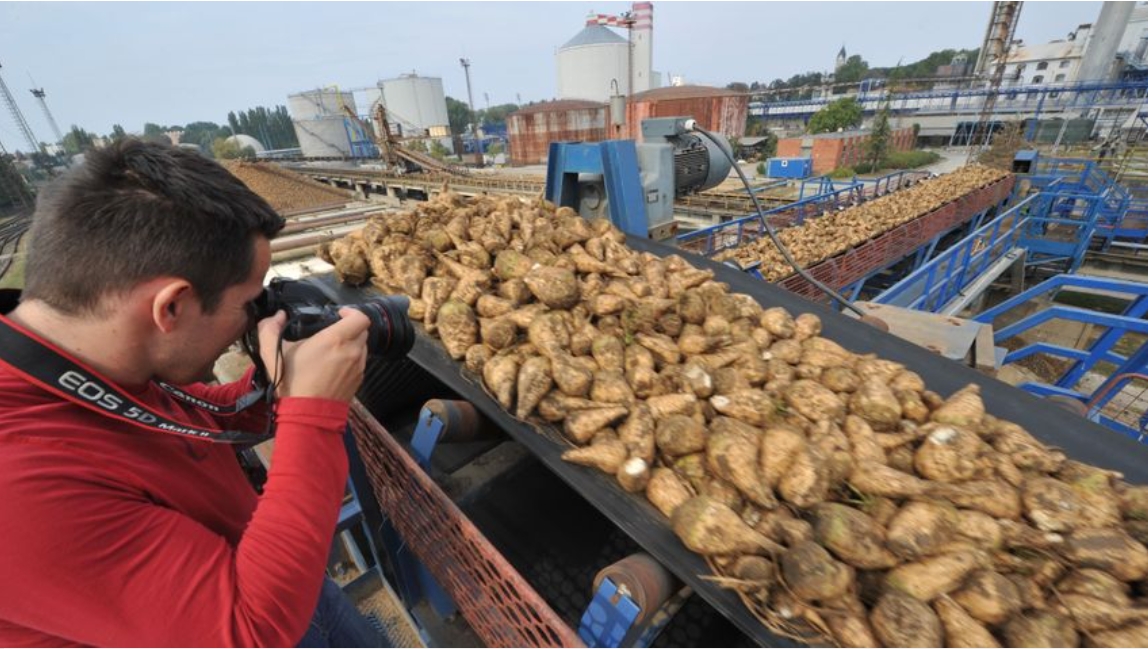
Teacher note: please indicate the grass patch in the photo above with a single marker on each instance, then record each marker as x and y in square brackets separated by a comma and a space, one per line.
[895, 160]
[14, 278]
[909, 159]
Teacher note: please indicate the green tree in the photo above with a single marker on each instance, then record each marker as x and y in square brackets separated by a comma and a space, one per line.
[118, 132]
[224, 149]
[14, 190]
[496, 114]
[854, 70]
[737, 86]
[77, 140]
[437, 149]
[272, 127]
[203, 134]
[877, 147]
[1005, 143]
[458, 114]
[842, 114]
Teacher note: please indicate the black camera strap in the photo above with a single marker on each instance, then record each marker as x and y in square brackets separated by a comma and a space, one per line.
[42, 365]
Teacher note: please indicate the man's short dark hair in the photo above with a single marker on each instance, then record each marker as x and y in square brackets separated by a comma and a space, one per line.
[138, 210]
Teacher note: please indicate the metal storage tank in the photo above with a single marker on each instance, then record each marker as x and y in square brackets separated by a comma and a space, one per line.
[589, 62]
[717, 109]
[322, 126]
[533, 128]
[417, 102]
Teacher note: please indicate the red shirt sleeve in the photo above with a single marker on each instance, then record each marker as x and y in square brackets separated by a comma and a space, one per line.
[251, 420]
[87, 558]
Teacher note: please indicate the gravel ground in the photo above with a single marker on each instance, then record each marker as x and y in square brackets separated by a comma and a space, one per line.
[285, 190]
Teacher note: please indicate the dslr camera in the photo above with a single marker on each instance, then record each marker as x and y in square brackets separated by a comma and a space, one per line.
[309, 311]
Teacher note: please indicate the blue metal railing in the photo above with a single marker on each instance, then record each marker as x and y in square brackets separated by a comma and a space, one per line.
[830, 195]
[1052, 227]
[1112, 328]
[1034, 98]
[937, 282]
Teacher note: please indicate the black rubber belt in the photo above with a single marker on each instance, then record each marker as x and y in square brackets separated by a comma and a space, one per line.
[1081, 439]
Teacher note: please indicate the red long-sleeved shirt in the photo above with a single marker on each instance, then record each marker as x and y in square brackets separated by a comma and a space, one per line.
[111, 534]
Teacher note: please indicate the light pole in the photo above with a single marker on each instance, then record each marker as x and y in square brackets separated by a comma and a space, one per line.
[473, 118]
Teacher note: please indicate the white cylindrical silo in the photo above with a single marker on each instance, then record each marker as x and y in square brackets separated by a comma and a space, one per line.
[321, 123]
[1103, 39]
[416, 103]
[589, 62]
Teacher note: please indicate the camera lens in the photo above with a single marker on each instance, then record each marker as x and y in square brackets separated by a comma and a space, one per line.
[391, 335]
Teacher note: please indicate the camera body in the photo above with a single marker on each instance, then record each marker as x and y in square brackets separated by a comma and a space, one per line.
[309, 311]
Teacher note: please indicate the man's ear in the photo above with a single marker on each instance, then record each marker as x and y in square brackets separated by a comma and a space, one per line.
[170, 303]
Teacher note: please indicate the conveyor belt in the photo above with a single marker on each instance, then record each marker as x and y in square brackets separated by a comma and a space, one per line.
[1081, 439]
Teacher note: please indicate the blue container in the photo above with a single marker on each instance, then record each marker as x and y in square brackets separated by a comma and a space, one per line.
[789, 167]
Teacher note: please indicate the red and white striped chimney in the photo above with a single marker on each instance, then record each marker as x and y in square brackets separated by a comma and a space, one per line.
[642, 36]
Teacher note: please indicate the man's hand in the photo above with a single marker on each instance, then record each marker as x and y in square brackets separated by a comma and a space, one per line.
[328, 365]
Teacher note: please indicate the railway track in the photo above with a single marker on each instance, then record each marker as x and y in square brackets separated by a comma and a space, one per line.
[11, 232]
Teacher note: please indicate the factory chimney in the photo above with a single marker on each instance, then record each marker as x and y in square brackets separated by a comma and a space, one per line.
[642, 35]
[1103, 39]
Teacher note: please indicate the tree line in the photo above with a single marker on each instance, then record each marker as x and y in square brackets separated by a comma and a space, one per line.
[855, 69]
[271, 126]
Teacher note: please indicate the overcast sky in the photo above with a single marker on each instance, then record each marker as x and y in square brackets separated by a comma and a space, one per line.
[173, 63]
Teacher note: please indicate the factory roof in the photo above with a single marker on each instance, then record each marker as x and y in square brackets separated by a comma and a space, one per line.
[594, 35]
[752, 141]
[684, 92]
[558, 106]
[1045, 51]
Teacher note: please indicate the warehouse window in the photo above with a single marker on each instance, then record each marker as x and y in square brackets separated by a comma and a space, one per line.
[1060, 77]
[1038, 78]
[1065, 64]
[1043, 65]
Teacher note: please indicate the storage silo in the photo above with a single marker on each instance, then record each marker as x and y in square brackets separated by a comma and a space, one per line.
[716, 109]
[416, 103]
[533, 128]
[323, 127]
[1098, 62]
[589, 62]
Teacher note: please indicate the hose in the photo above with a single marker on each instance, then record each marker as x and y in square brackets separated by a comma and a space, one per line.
[693, 126]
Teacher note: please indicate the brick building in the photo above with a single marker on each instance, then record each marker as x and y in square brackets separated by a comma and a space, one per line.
[833, 150]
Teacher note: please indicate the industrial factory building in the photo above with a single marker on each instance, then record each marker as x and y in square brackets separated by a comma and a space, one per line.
[717, 109]
[597, 63]
[831, 151]
[324, 125]
[533, 128]
[415, 105]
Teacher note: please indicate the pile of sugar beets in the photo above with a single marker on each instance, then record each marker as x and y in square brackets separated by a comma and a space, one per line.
[842, 499]
[833, 233]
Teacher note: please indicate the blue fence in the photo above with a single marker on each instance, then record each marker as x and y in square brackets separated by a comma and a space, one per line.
[1110, 329]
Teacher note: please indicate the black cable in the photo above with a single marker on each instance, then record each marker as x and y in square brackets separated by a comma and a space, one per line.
[773, 234]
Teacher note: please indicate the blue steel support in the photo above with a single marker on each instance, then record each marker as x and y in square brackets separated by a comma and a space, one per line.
[617, 161]
[427, 433]
[1030, 134]
[1104, 343]
[1070, 313]
[608, 617]
[624, 187]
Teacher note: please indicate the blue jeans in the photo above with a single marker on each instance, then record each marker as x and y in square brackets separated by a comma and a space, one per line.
[337, 623]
